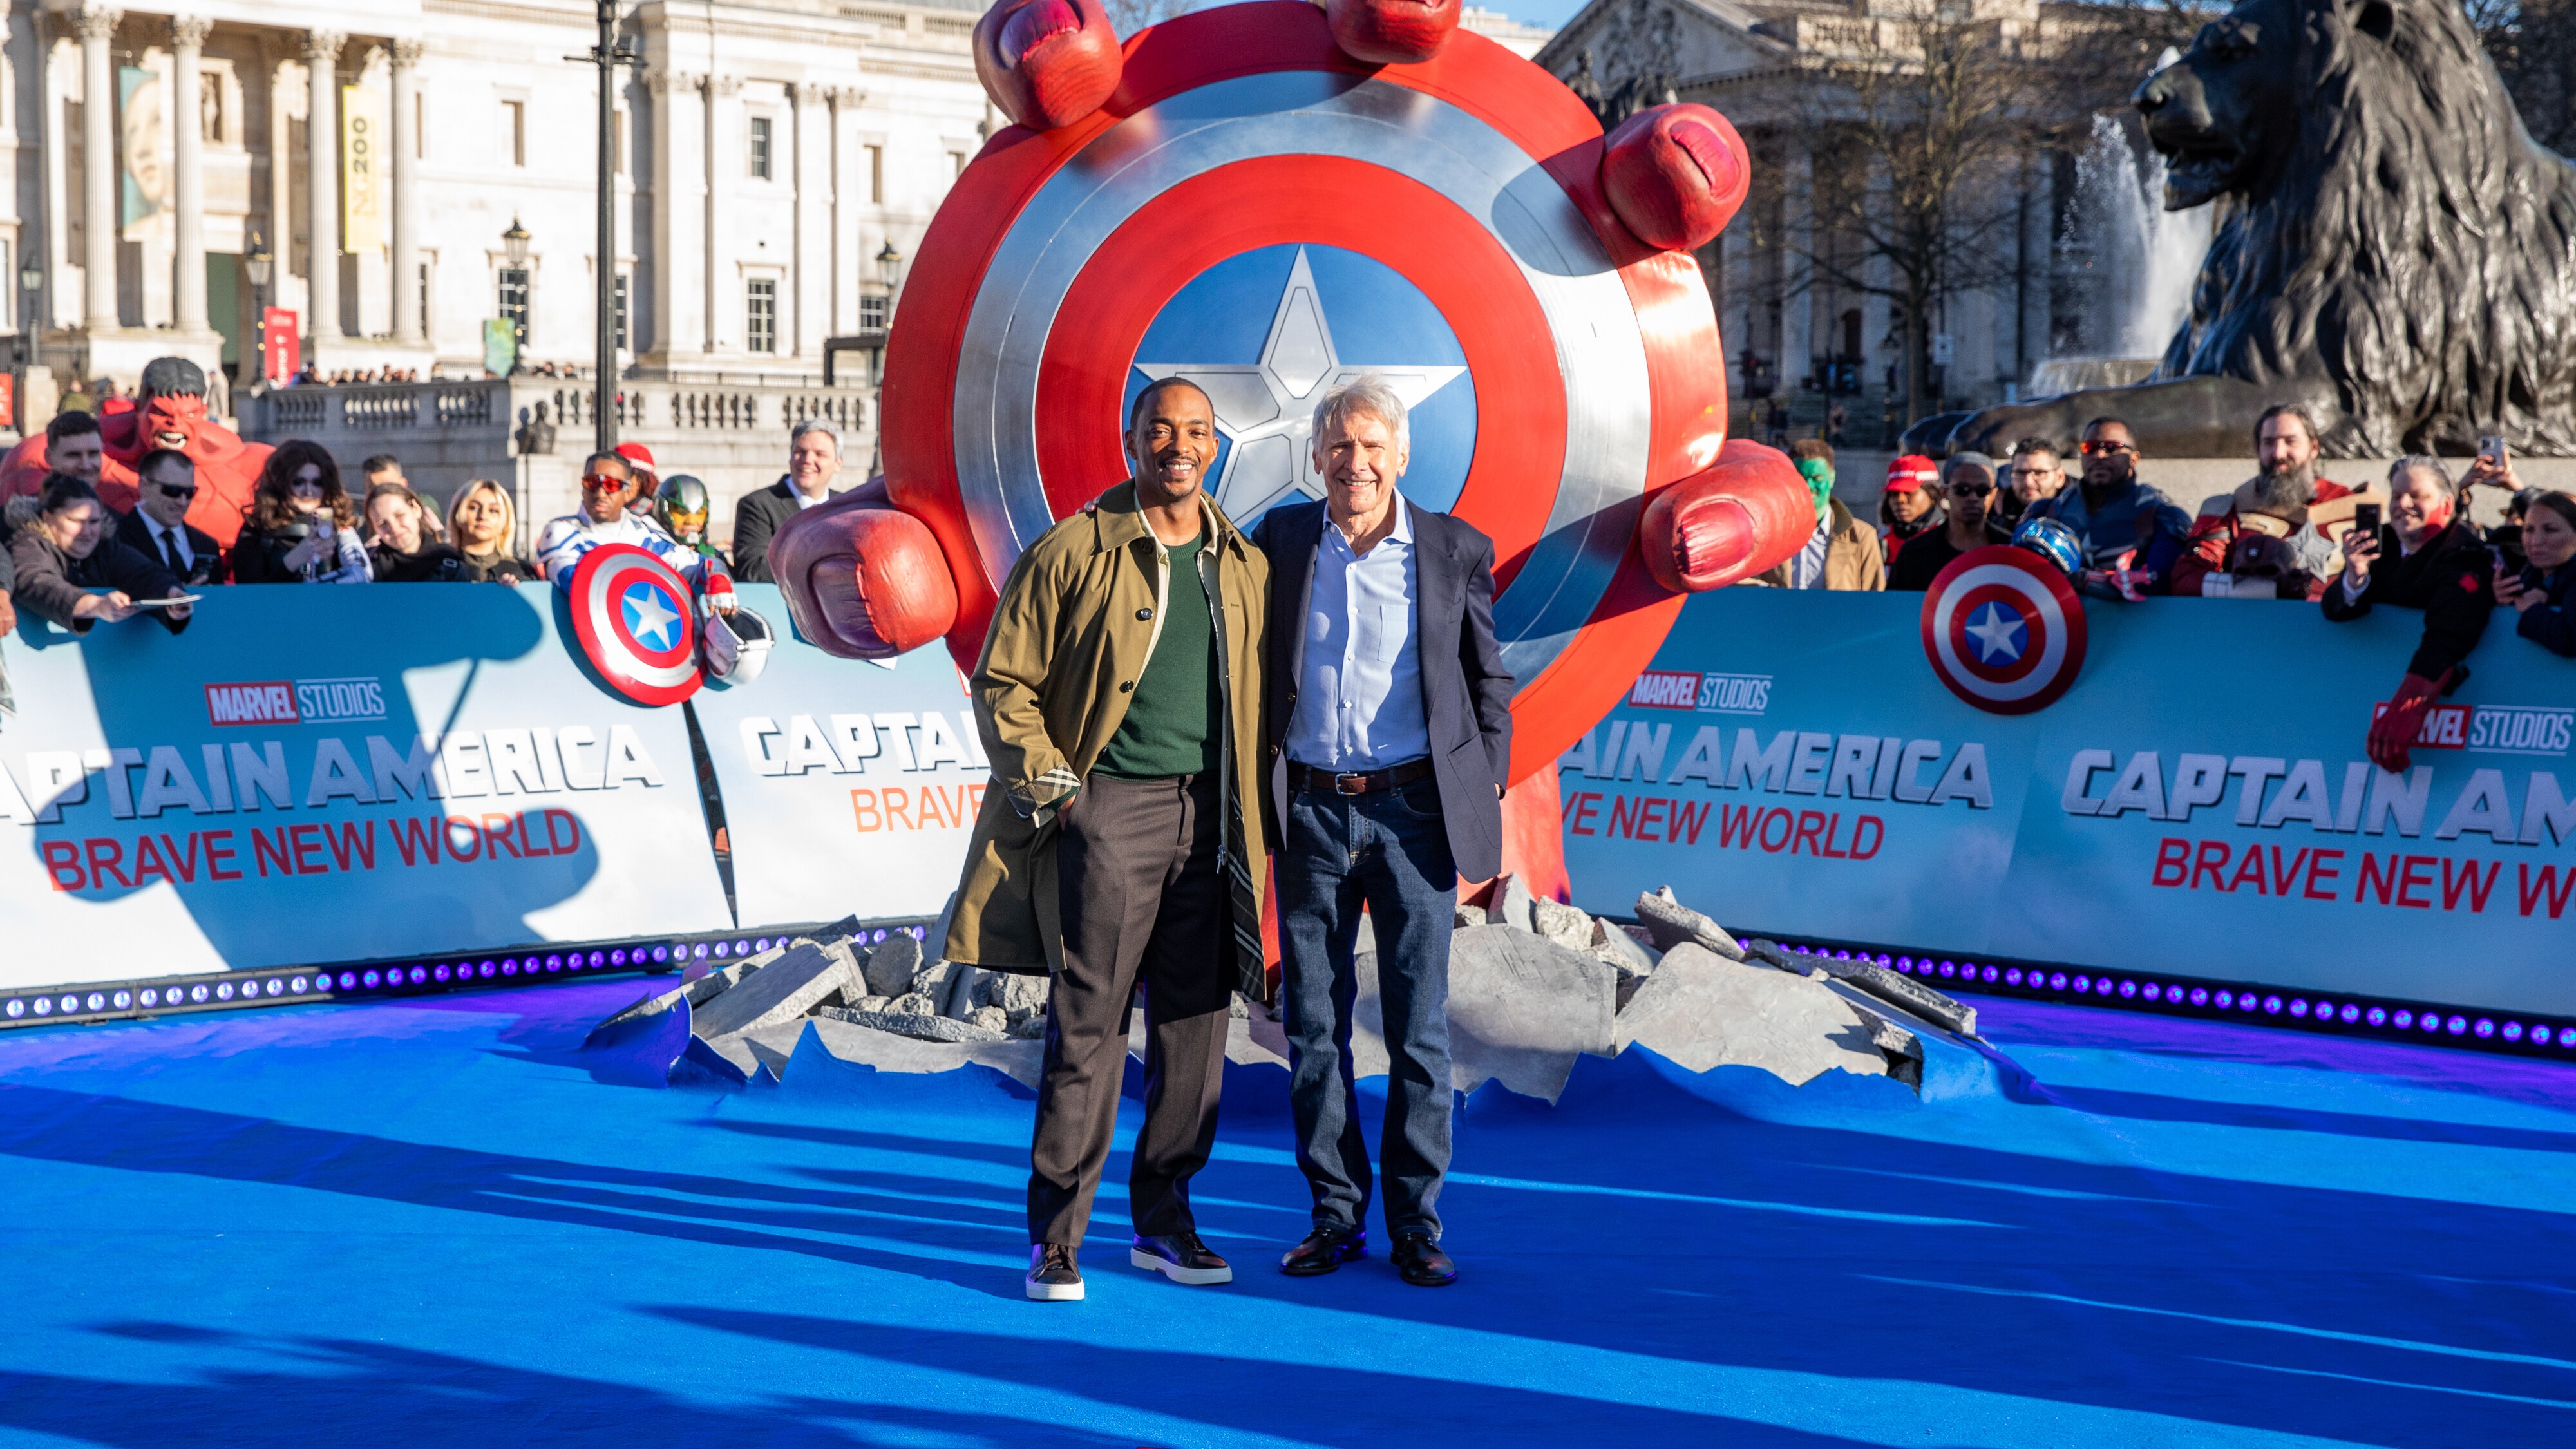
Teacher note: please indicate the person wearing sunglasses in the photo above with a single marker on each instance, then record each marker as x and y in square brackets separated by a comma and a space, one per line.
[2132, 534]
[159, 528]
[607, 486]
[303, 529]
[1968, 486]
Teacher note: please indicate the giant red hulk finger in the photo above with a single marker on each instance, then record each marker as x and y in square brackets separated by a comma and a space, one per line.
[1675, 174]
[1392, 32]
[863, 579]
[1047, 63]
[1747, 512]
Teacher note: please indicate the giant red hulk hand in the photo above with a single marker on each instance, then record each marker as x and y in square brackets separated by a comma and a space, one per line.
[1047, 63]
[1747, 512]
[1392, 32]
[1676, 174]
[863, 579]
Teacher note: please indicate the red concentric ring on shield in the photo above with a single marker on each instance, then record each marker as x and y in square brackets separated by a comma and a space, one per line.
[1444, 252]
[2033, 643]
[645, 674]
[2029, 586]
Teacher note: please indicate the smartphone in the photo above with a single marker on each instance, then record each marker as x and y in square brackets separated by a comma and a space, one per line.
[2491, 448]
[2365, 519]
[166, 603]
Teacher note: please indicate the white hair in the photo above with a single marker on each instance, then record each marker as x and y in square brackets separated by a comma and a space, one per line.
[2422, 463]
[1367, 393]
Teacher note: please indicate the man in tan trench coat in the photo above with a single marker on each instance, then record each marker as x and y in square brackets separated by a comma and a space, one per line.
[1119, 696]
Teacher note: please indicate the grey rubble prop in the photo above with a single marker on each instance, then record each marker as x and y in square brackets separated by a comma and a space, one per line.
[1897, 990]
[1521, 1008]
[920, 1027]
[1701, 1011]
[781, 991]
[891, 966]
[1669, 923]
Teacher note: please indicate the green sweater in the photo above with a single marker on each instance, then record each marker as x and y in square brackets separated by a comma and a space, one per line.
[1172, 725]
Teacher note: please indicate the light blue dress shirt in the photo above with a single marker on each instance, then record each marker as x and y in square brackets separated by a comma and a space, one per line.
[1359, 684]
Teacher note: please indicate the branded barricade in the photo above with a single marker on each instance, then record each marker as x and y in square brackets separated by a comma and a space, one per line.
[331, 774]
[2198, 802]
[848, 787]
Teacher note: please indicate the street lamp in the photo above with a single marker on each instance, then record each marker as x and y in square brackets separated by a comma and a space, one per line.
[257, 262]
[31, 281]
[514, 243]
[889, 264]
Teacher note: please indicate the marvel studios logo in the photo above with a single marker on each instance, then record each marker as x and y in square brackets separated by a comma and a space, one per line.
[2496, 729]
[1713, 693]
[295, 701]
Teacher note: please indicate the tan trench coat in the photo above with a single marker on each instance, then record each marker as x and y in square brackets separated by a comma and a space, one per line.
[1069, 632]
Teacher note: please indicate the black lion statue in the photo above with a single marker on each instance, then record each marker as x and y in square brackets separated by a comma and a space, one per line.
[2390, 246]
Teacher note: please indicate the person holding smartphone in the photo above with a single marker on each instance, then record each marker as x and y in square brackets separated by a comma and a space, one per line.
[73, 574]
[303, 529]
[2538, 591]
[2427, 557]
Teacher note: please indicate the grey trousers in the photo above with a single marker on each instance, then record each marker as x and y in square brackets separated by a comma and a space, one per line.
[1141, 898]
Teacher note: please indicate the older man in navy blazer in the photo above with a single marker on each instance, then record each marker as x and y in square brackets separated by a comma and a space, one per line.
[1389, 723]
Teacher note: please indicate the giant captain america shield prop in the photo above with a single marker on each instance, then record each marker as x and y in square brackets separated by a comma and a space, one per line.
[2003, 629]
[1258, 212]
[631, 614]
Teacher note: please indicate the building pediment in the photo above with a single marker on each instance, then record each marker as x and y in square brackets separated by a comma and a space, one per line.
[1686, 40]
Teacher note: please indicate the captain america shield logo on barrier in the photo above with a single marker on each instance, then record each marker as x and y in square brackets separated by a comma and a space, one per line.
[2003, 629]
[1203, 225]
[631, 614]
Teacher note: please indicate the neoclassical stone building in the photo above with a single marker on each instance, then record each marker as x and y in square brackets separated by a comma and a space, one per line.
[1792, 333]
[777, 163]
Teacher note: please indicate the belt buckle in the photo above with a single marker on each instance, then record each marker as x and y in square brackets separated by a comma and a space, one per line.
[1350, 784]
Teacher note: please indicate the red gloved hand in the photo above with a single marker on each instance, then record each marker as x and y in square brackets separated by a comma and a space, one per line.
[1392, 32]
[1047, 63]
[1747, 512]
[2393, 734]
[716, 587]
[863, 579]
[1675, 174]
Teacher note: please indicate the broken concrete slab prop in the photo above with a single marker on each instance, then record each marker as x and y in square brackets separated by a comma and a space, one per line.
[785, 989]
[651, 1003]
[1902, 1048]
[1512, 905]
[1521, 1008]
[1016, 992]
[892, 965]
[726, 1059]
[1563, 924]
[1626, 954]
[1702, 1011]
[1469, 914]
[937, 980]
[1893, 987]
[1029, 1028]
[1669, 923]
[887, 1052]
[912, 1003]
[918, 1026]
[968, 992]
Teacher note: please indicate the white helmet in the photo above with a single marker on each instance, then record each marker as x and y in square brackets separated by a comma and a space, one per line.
[738, 645]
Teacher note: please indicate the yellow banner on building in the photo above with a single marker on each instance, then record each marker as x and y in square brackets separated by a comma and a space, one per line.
[365, 163]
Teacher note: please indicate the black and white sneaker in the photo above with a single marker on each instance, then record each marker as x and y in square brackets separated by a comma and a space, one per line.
[1180, 1257]
[1053, 1277]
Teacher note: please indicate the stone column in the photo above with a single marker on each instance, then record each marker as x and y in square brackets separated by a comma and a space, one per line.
[666, 254]
[800, 212]
[839, 99]
[51, 309]
[1797, 294]
[95, 24]
[724, 157]
[187, 134]
[408, 323]
[322, 183]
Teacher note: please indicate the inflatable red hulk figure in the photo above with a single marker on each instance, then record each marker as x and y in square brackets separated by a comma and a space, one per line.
[169, 412]
[1271, 197]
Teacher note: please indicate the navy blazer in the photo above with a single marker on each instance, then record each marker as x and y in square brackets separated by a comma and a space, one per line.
[1466, 691]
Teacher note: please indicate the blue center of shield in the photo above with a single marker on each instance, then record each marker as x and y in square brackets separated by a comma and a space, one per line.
[1998, 633]
[1267, 332]
[649, 615]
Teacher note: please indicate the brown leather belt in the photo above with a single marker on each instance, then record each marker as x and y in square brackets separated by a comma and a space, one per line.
[1307, 777]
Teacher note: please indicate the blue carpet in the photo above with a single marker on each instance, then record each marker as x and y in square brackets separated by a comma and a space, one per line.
[432, 1223]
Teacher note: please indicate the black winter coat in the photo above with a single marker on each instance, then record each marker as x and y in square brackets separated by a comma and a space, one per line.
[2448, 578]
[50, 582]
[2552, 625]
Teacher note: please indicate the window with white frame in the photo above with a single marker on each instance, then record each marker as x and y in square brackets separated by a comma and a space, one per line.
[760, 147]
[760, 327]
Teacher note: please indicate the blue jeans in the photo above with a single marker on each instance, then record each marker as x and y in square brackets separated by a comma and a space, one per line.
[1391, 850]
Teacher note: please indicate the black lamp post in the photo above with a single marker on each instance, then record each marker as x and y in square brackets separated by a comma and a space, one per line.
[514, 249]
[256, 262]
[31, 284]
[608, 55]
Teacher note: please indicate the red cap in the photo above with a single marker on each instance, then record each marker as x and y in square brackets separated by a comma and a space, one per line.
[637, 454]
[1910, 472]
[118, 404]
